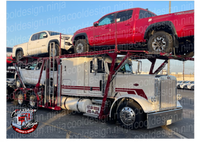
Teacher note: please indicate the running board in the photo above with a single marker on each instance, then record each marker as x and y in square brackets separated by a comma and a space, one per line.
[91, 115]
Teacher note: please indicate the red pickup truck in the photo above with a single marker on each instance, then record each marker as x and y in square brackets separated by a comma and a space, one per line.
[138, 28]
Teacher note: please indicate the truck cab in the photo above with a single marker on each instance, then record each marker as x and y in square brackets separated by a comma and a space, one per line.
[85, 76]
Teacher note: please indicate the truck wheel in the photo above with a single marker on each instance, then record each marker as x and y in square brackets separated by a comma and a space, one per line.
[160, 42]
[131, 115]
[81, 46]
[18, 83]
[19, 55]
[32, 101]
[56, 50]
[19, 98]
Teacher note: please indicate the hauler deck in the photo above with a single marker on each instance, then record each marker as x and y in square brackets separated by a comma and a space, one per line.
[51, 96]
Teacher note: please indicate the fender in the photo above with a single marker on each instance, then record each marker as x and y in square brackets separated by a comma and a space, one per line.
[159, 26]
[53, 40]
[145, 105]
[81, 34]
[18, 49]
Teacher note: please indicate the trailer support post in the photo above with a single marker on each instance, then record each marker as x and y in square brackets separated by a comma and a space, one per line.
[113, 56]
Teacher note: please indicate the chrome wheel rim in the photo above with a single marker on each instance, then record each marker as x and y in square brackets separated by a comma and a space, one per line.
[31, 101]
[127, 116]
[20, 99]
[79, 48]
[159, 44]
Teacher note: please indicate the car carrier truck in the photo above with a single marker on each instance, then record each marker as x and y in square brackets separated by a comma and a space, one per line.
[102, 85]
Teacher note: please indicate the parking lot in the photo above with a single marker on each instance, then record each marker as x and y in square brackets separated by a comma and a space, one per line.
[65, 124]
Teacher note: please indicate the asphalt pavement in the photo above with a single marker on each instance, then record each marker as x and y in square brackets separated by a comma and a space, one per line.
[65, 124]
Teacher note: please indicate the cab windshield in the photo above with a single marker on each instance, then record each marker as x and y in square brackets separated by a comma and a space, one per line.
[33, 66]
[54, 33]
[126, 68]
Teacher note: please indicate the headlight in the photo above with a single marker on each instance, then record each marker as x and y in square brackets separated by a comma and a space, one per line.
[67, 43]
[65, 38]
[179, 96]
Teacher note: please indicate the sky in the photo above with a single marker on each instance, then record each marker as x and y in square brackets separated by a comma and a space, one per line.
[27, 17]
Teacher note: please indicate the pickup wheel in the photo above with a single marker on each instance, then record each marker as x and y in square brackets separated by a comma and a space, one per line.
[19, 98]
[81, 46]
[160, 42]
[56, 50]
[130, 115]
[32, 101]
[19, 55]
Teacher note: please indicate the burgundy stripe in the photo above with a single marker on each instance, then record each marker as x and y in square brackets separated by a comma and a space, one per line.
[80, 87]
[140, 92]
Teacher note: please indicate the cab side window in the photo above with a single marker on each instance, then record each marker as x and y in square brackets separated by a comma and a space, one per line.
[106, 20]
[38, 66]
[101, 68]
[30, 67]
[145, 14]
[34, 37]
[123, 16]
[42, 35]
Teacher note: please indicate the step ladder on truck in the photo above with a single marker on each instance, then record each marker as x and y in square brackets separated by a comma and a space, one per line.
[102, 85]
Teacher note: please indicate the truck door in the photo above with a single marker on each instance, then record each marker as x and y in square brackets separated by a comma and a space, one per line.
[41, 42]
[36, 73]
[28, 74]
[86, 77]
[104, 32]
[125, 21]
[141, 23]
[96, 79]
[32, 44]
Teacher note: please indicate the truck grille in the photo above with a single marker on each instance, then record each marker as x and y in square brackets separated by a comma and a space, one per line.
[167, 92]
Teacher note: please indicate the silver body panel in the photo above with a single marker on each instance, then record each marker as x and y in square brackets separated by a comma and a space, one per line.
[166, 92]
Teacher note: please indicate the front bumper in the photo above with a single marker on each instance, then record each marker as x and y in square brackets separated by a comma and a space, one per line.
[163, 118]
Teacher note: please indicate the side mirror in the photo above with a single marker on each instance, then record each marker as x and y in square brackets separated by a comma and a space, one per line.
[27, 68]
[95, 64]
[95, 24]
[44, 35]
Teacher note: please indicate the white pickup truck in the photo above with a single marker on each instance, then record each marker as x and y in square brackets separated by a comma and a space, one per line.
[39, 43]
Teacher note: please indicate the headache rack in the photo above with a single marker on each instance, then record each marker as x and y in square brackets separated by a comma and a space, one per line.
[49, 63]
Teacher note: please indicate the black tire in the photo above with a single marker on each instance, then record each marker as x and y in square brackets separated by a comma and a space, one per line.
[19, 55]
[131, 108]
[56, 50]
[81, 46]
[32, 101]
[160, 42]
[192, 88]
[19, 99]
